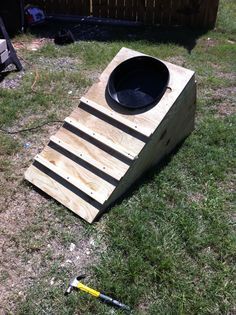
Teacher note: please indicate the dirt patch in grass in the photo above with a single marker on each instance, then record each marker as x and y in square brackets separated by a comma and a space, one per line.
[225, 101]
[59, 64]
[226, 110]
[177, 60]
[196, 197]
[228, 76]
[32, 45]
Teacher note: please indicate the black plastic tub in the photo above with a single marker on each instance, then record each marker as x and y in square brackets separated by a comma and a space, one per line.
[138, 82]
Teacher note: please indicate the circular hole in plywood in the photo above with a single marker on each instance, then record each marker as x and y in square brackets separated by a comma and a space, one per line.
[138, 82]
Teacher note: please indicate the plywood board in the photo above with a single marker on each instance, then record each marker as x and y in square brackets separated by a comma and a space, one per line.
[4, 56]
[3, 45]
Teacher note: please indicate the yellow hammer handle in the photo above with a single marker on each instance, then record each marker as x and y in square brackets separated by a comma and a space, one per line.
[84, 288]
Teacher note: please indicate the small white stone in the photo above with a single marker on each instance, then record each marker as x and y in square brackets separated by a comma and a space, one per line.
[70, 92]
[68, 261]
[92, 242]
[52, 281]
[72, 247]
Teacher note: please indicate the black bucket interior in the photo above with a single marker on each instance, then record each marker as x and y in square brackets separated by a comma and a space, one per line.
[138, 82]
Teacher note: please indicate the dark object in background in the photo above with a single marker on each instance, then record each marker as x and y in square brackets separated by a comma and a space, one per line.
[12, 58]
[64, 37]
[138, 82]
[34, 15]
[12, 13]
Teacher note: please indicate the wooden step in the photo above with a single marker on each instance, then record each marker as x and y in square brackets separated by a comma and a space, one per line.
[61, 167]
[114, 132]
[128, 153]
[65, 196]
[81, 173]
[116, 117]
[90, 153]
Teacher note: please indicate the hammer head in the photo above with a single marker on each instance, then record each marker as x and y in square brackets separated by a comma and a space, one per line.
[74, 284]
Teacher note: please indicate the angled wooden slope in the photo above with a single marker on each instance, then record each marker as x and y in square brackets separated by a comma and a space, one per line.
[101, 150]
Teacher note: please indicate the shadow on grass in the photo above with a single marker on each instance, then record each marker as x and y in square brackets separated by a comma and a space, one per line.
[185, 37]
[145, 178]
[5, 73]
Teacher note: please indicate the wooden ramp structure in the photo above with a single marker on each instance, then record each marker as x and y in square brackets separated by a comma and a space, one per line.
[101, 150]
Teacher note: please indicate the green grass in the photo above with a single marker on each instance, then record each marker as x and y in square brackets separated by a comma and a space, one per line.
[170, 244]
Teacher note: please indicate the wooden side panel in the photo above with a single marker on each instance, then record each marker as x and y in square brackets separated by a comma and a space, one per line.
[176, 126]
[61, 194]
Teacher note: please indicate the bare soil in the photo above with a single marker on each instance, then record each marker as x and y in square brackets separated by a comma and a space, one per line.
[225, 99]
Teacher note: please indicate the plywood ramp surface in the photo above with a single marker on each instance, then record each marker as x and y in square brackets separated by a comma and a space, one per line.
[102, 126]
[102, 149]
[90, 152]
[74, 170]
[63, 195]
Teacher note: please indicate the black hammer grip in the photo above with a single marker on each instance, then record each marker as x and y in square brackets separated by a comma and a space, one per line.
[116, 303]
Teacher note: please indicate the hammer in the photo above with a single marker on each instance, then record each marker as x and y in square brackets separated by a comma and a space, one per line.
[76, 284]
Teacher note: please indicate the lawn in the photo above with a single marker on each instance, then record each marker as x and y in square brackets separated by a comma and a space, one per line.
[169, 246]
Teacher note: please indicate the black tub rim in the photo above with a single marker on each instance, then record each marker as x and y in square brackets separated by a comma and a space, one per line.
[111, 89]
